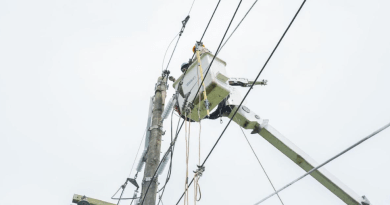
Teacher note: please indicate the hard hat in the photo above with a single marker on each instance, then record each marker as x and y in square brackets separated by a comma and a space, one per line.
[184, 67]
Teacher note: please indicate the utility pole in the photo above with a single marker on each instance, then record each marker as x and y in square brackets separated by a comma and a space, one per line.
[154, 149]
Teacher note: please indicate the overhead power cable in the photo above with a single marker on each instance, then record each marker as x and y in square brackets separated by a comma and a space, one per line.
[238, 25]
[162, 67]
[216, 53]
[191, 7]
[246, 95]
[170, 166]
[258, 160]
[326, 162]
[184, 23]
[211, 18]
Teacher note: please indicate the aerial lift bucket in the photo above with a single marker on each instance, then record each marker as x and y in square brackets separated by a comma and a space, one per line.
[216, 86]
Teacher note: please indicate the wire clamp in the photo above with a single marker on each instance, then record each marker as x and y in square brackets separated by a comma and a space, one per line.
[184, 22]
[198, 46]
[199, 171]
[207, 104]
[148, 179]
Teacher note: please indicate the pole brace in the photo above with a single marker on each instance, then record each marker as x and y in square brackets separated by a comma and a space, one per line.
[160, 127]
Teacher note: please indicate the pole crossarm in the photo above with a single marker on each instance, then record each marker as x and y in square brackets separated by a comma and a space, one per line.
[77, 198]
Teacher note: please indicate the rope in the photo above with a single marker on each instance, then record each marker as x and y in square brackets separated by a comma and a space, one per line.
[197, 187]
[326, 162]
[187, 141]
[131, 170]
[246, 95]
[260, 164]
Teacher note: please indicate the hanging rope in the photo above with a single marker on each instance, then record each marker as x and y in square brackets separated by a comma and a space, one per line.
[197, 187]
[187, 141]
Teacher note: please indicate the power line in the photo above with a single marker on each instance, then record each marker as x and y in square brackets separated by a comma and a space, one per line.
[216, 53]
[211, 18]
[234, 114]
[260, 163]
[170, 166]
[326, 162]
[191, 7]
[238, 25]
[184, 23]
[162, 67]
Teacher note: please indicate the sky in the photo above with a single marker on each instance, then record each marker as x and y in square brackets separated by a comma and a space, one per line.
[76, 78]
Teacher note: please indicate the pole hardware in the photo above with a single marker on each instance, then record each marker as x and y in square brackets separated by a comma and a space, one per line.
[148, 179]
[83, 201]
[199, 171]
[184, 22]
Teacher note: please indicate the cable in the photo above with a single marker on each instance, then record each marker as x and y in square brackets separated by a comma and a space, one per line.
[184, 23]
[211, 18]
[131, 170]
[326, 162]
[165, 155]
[260, 164]
[162, 67]
[246, 95]
[238, 25]
[137, 153]
[216, 53]
[191, 7]
[170, 166]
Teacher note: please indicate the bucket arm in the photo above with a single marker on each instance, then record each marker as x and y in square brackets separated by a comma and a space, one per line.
[249, 120]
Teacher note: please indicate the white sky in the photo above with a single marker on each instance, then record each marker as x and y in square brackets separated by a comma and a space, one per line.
[76, 77]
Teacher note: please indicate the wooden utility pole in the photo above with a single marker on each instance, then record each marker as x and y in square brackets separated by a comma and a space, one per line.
[153, 155]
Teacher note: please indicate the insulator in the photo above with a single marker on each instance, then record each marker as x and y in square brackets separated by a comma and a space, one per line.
[164, 164]
[141, 161]
[168, 108]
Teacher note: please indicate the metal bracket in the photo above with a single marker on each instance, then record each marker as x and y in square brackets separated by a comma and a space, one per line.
[160, 127]
[198, 46]
[207, 104]
[199, 171]
[365, 201]
[243, 82]
[148, 179]
[265, 123]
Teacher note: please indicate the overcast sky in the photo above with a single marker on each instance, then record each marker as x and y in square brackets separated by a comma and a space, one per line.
[76, 77]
